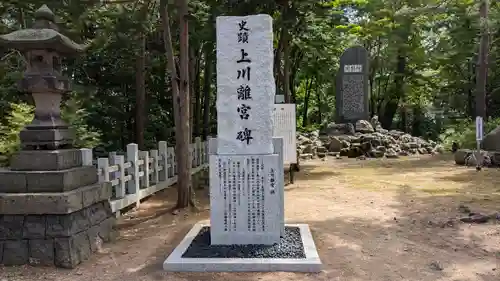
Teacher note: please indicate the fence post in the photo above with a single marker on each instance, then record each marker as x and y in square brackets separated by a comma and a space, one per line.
[155, 166]
[103, 166]
[119, 160]
[174, 162]
[162, 147]
[133, 157]
[170, 161]
[86, 156]
[144, 155]
[205, 152]
[202, 144]
[111, 156]
[191, 154]
[197, 149]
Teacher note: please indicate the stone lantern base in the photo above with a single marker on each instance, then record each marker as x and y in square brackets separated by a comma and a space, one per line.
[47, 139]
[53, 211]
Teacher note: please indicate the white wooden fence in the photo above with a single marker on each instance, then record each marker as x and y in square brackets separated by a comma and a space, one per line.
[138, 174]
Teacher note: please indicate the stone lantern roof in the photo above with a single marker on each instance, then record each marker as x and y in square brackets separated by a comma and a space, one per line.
[43, 35]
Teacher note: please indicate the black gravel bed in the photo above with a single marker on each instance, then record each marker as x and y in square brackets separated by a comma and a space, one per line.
[289, 247]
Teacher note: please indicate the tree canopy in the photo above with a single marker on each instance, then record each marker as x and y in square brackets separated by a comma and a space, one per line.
[423, 64]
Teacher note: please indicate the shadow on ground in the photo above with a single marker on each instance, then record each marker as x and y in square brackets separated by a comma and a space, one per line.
[350, 250]
[421, 241]
[402, 164]
[424, 226]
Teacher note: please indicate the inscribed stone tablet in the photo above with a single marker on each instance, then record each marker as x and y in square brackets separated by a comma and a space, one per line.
[352, 86]
[245, 203]
[353, 101]
[285, 127]
[245, 85]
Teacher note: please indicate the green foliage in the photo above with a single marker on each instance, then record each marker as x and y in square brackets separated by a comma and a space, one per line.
[76, 117]
[20, 115]
[307, 129]
[437, 39]
[464, 133]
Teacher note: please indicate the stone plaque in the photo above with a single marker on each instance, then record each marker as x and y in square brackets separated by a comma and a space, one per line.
[284, 123]
[245, 85]
[352, 86]
[245, 200]
[350, 68]
[353, 101]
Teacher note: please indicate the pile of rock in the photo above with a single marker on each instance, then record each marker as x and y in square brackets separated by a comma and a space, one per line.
[364, 139]
[489, 156]
[469, 157]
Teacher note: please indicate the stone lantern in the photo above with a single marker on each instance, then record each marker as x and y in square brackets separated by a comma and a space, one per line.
[43, 47]
[53, 210]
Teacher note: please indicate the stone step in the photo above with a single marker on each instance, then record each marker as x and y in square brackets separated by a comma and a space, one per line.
[47, 181]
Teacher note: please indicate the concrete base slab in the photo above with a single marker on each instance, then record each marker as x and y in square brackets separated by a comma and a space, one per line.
[312, 263]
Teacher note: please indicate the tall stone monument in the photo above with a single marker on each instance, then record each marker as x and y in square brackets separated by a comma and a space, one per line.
[352, 102]
[244, 171]
[247, 230]
[53, 211]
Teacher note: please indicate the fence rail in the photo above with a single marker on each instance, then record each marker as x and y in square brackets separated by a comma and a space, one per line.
[138, 174]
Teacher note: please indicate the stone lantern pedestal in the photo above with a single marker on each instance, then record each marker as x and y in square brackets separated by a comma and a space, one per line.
[53, 211]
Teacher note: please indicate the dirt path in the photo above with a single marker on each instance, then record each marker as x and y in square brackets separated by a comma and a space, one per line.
[377, 220]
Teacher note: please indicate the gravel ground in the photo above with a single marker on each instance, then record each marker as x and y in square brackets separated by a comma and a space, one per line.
[290, 247]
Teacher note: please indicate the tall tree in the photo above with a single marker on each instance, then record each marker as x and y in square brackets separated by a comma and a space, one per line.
[180, 90]
[184, 189]
[140, 79]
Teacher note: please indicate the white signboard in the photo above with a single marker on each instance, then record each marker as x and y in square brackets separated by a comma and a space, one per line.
[284, 119]
[479, 128]
[245, 85]
[245, 199]
[349, 68]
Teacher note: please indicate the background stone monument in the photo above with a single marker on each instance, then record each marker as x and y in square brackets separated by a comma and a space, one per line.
[53, 211]
[247, 230]
[352, 102]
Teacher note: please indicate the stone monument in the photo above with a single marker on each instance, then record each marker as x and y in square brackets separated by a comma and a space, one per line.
[247, 231]
[245, 105]
[352, 102]
[53, 211]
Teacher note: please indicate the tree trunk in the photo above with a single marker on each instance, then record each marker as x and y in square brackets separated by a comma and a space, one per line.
[295, 67]
[318, 101]
[470, 95]
[169, 50]
[277, 61]
[184, 188]
[392, 105]
[181, 118]
[482, 73]
[197, 96]
[207, 82]
[191, 70]
[306, 102]
[140, 85]
[286, 68]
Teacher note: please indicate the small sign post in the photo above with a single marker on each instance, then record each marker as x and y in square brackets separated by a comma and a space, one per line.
[479, 138]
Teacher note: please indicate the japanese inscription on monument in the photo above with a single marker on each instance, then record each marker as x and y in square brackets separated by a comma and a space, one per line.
[249, 186]
[245, 85]
[284, 122]
[352, 86]
[246, 185]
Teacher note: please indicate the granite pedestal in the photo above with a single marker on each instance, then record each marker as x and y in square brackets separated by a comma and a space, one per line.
[53, 211]
[309, 262]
